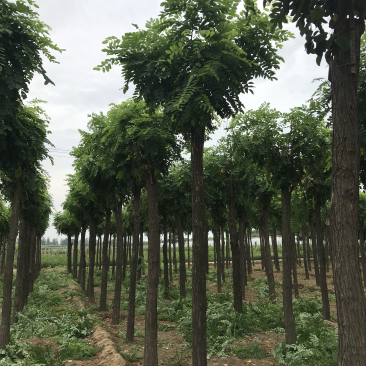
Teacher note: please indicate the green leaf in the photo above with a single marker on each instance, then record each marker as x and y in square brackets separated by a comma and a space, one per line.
[343, 43]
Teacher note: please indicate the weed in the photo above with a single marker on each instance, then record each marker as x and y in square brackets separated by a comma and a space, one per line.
[179, 359]
[251, 351]
[166, 327]
[130, 357]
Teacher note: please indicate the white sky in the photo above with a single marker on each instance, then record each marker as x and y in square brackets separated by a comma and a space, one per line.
[80, 26]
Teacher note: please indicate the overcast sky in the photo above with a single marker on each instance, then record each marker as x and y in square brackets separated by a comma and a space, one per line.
[80, 26]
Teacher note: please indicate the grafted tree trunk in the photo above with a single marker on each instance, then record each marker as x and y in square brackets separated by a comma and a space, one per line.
[82, 266]
[217, 250]
[267, 257]
[69, 255]
[75, 257]
[182, 259]
[105, 259]
[290, 332]
[151, 316]
[133, 266]
[92, 244]
[199, 301]
[238, 302]
[8, 274]
[165, 258]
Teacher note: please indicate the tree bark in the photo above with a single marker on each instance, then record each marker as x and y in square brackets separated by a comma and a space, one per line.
[304, 246]
[189, 255]
[243, 254]
[199, 301]
[275, 251]
[165, 258]
[105, 259]
[249, 262]
[222, 254]
[217, 250]
[294, 265]
[362, 250]
[322, 262]
[114, 255]
[82, 265]
[315, 251]
[8, 273]
[237, 290]
[267, 257]
[290, 332]
[170, 257]
[32, 262]
[92, 244]
[141, 252]
[119, 261]
[227, 250]
[133, 265]
[298, 250]
[124, 258]
[151, 315]
[75, 257]
[182, 259]
[174, 254]
[69, 255]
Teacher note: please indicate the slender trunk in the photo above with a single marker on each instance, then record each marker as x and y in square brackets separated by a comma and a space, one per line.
[251, 247]
[119, 261]
[3, 255]
[305, 249]
[216, 234]
[133, 265]
[39, 258]
[22, 267]
[174, 254]
[97, 253]
[362, 250]
[294, 263]
[214, 252]
[222, 254]
[267, 251]
[114, 255]
[249, 262]
[275, 251]
[189, 255]
[69, 251]
[298, 250]
[182, 259]
[315, 251]
[326, 250]
[105, 259]
[165, 258]
[227, 249]
[261, 241]
[8, 275]
[170, 257]
[82, 265]
[92, 244]
[32, 261]
[206, 248]
[199, 301]
[238, 302]
[322, 262]
[141, 252]
[124, 259]
[243, 267]
[290, 332]
[100, 251]
[75, 257]
[151, 315]
[109, 250]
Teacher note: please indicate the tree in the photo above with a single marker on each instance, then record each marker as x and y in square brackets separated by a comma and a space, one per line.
[341, 48]
[195, 60]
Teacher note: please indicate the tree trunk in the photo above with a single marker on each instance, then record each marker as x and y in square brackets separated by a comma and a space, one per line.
[315, 251]
[304, 246]
[133, 265]
[294, 263]
[238, 297]
[105, 259]
[308, 248]
[92, 244]
[182, 259]
[100, 251]
[22, 267]
[69, 251]
[199, 301]
[151, 315]
[351, 303]
[322, 262]
[174, 254]
[119, 261]
[290, 332]
[275, 251]
[124, 259]
[217, 250]
[227, 250]
[261, 242]
[165, 258]
[249, 262]
[97, 253]
[298, 250]
[189, 255]
[114, 255]
[243, 264]
[82, 265]
[8, 275]
[222, 254]
[206, 248]
[214, 252]
[3, 255]
[267, 257]
[170, 257]
[75, 258]
[32, 261]
[141, 252]
[109, 250]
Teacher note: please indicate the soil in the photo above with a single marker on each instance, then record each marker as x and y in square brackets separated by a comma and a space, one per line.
[172, 348]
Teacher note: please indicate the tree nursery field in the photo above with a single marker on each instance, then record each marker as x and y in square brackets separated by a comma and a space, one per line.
[141, 171]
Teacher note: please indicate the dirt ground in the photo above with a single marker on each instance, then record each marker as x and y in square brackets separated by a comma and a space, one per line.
[171, 344]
